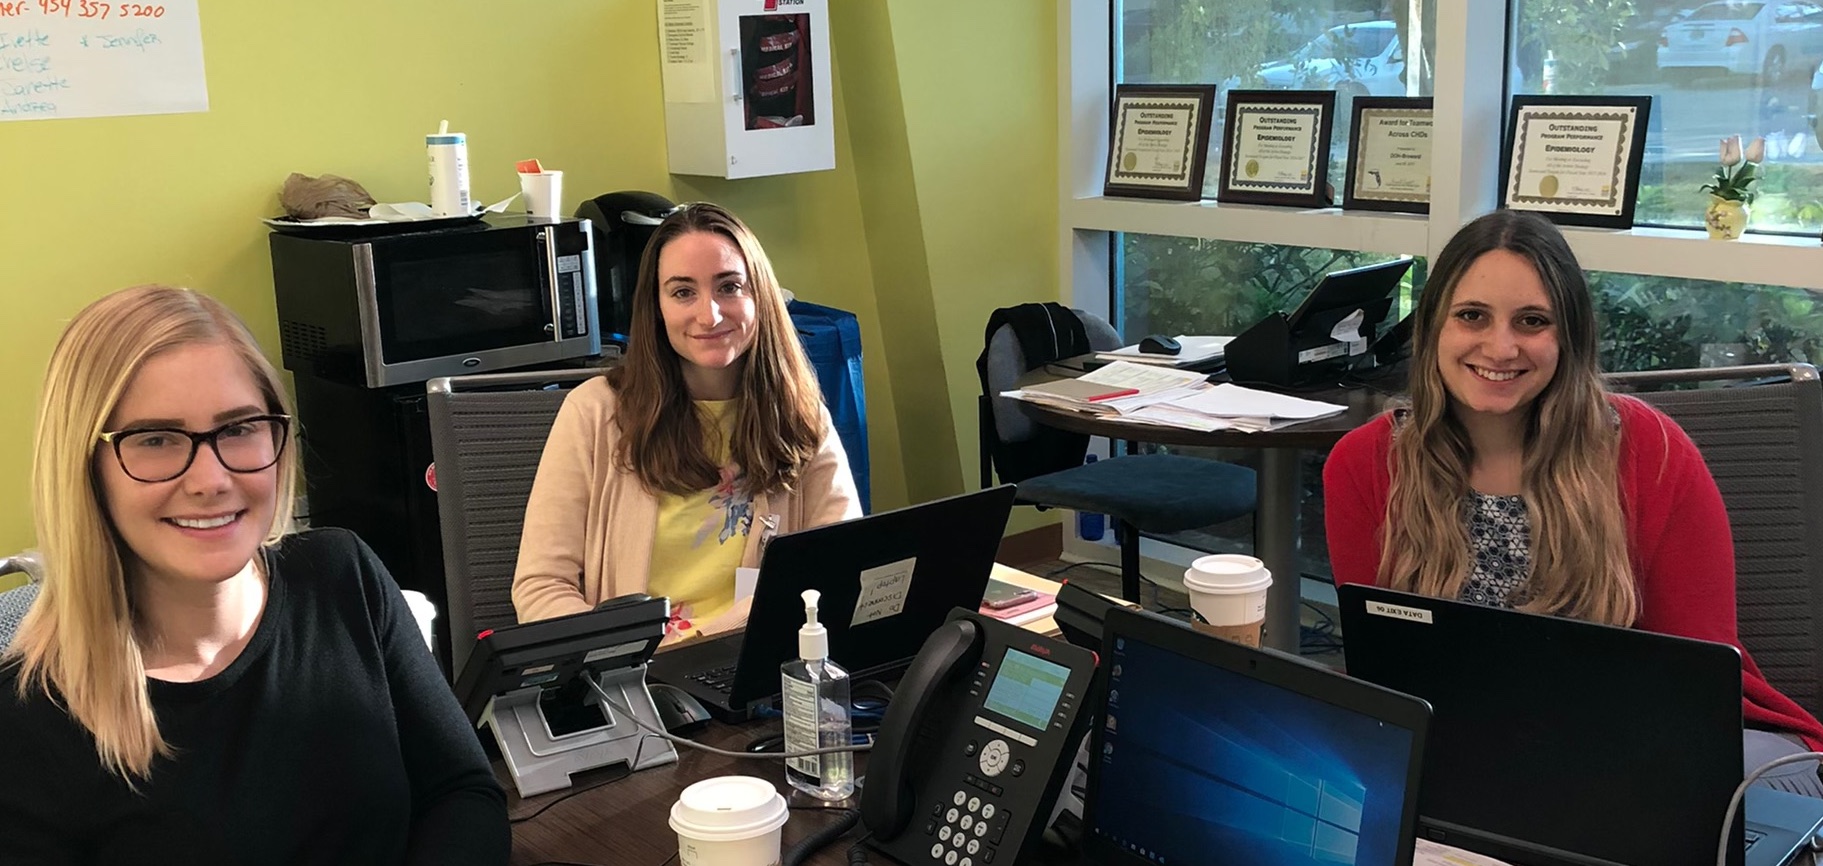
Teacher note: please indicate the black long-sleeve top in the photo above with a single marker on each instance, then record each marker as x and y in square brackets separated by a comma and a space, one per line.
[332, 739]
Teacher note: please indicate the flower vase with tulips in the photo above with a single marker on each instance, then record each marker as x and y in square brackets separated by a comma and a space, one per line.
[1731, 189]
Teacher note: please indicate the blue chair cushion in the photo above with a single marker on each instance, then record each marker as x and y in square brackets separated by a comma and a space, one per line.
[1153, 492]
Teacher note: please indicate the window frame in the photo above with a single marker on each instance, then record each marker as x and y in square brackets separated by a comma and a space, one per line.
[1470, 101]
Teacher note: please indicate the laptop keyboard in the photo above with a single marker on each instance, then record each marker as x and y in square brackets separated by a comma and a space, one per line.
[720, 679]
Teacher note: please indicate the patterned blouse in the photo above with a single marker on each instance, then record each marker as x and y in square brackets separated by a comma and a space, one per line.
[1499, 541]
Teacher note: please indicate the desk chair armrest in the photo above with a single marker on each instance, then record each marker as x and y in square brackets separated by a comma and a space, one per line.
[1793, 372]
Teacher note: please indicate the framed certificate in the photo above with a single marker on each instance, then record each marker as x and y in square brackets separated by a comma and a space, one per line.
[1389, 155]
[1576, 159]
[1275, 147]
[1159, 144]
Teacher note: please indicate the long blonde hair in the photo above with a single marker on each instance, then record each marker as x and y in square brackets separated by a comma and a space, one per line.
[77, 643]
[1569, 479]
[778, 416]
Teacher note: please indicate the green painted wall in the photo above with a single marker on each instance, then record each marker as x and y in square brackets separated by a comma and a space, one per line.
[942, 207]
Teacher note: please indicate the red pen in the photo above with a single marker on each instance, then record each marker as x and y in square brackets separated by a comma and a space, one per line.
[1124, 392]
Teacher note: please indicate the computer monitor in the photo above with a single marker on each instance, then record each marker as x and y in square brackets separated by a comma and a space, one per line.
[1212, 753]
[1328, 331]
[1370, 288]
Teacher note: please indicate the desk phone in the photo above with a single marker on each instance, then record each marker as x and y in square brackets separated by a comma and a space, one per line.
[976, 744]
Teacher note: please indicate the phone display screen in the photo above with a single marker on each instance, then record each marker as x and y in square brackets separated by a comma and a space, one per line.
[1026, 689]
[1002, 594]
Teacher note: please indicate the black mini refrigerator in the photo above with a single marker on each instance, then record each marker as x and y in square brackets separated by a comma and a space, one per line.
[368, 468]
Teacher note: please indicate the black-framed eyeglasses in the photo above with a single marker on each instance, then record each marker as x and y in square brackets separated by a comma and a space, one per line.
[154, 454]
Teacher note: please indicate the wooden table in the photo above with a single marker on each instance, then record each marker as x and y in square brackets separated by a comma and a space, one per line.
[1279, 485]
[624, 820]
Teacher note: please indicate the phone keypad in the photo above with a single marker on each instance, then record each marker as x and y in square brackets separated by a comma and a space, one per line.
[967, 832]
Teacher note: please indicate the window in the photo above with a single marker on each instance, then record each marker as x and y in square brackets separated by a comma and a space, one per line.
[1350, 47]
[1174, 285]
[1715, 70]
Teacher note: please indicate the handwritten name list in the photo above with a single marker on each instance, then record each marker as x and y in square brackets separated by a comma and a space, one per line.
[84, 58]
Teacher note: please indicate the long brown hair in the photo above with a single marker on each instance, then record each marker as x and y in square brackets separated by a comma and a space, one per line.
[1569, 477]
[778, 423]
[77, 643]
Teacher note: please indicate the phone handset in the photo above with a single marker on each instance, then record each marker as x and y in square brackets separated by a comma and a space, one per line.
[888, 799]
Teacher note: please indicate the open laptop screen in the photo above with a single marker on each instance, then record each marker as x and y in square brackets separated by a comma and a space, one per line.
[1200, 763]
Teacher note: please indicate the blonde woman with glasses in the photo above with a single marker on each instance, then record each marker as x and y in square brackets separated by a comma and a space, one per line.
[1515, 479]
[195, 685]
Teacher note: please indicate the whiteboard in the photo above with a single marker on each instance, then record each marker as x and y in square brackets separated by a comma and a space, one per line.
[86, 58]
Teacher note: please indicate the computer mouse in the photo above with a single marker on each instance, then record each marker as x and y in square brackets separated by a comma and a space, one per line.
[1159, 344]
[677, 710]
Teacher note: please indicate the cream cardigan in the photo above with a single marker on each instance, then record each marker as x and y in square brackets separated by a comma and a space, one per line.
[589, 524]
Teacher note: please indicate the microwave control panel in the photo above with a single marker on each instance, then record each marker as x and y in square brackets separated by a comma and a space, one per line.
[571, 262]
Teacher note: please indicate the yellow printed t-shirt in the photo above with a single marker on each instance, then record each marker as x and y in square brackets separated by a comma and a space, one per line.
[702, 535]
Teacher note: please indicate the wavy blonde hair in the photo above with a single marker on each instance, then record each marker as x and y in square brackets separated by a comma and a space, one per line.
[778, 425]
[1569, 480]
[77, 644]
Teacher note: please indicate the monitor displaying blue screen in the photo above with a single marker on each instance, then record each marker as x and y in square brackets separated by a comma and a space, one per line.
[1201, 765]
[1026, 688]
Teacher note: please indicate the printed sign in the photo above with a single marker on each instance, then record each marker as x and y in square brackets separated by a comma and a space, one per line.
[884, 589]
[1409, 614]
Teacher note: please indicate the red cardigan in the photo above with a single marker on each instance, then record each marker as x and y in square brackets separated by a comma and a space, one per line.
[1677, 537]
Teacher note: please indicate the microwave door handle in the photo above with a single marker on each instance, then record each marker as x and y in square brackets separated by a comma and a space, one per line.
[555, 328]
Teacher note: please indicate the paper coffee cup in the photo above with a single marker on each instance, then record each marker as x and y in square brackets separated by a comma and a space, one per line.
[1228, 593]
[543, 193]
[729, 821]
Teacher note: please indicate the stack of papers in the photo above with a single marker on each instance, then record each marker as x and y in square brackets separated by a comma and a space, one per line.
[1192, 350]
[1165, 397]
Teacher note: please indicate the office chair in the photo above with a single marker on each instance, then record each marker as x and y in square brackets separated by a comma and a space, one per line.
[16, 601]
[1142, 492]
[487, 433]
[1762, 436]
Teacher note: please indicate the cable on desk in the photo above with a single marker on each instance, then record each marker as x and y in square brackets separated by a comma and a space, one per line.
[819, 840]
[1075, 565]
[1740, 792]
[677, 740]
[857, 853]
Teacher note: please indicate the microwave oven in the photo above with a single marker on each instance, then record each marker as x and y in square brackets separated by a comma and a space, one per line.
[376, 311]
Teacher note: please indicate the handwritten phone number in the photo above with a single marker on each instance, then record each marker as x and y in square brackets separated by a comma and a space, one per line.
[93, 9]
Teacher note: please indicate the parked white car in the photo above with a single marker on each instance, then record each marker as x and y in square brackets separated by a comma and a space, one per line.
[1353, 59]
[1746, 37]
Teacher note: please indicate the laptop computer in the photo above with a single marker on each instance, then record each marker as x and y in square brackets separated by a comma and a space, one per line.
[1558, 741]
[1210, 753]
[888, 580]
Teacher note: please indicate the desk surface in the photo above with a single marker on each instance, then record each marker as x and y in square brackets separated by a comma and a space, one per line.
[624, 820]
[1363, 406]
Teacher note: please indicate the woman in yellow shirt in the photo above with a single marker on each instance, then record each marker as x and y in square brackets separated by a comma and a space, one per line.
[676, 467]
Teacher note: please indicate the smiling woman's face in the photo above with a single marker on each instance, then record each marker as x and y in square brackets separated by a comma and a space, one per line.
[1498, 347]
[707, 304]
[206, 524]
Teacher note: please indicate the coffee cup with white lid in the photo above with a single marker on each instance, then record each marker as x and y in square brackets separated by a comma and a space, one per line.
[729, 821]
[1228, 593]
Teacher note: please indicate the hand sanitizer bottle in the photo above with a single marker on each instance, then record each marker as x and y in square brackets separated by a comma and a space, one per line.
[816, 713]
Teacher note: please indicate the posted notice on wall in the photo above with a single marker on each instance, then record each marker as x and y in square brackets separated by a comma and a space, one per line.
[85, 58]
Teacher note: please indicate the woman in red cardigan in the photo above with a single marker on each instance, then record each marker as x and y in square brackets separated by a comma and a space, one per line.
[1514, 479]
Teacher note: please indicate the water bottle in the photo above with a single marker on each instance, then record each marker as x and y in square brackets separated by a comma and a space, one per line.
[448, 172]
[1090, 526]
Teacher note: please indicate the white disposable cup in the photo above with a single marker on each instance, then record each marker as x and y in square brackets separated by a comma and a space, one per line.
[729, 821]
[1228, 591]
[543, 193]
